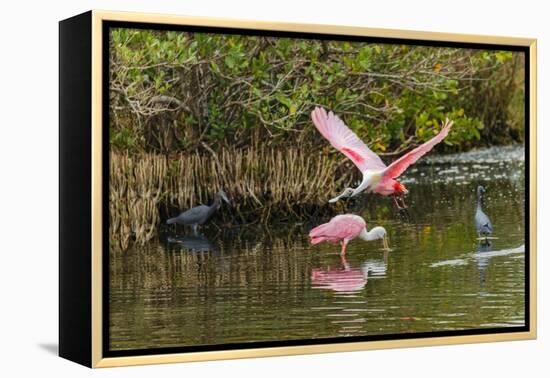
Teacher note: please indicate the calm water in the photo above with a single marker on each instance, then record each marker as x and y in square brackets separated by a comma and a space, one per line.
[253, 284]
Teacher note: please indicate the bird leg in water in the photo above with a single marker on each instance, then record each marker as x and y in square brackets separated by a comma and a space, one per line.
[485, 243]
[344, 262]
[195, 227]
[484, 238]
[344, 245]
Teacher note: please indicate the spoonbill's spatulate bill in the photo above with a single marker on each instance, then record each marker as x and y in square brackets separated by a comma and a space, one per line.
[344, 228]
[483, 223]
[199, 214]
[377, 177]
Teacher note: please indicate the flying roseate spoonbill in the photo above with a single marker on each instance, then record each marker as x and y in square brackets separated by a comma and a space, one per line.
[377, 177]
[199, 214]
[483, 223]
[344, 228]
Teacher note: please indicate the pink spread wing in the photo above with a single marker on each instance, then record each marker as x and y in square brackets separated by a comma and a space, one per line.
[399, 166]
[345, 140]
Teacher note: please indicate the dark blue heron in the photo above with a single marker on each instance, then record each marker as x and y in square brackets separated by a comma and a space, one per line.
[199, 214]
[483, 223]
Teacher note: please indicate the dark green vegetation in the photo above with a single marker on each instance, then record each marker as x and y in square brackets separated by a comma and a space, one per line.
[191, 114]
[172, 91]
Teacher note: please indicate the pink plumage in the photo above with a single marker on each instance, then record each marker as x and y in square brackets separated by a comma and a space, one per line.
[341, 228]
[399, 166]
[344, 279]
[345, 141]
[339, 280]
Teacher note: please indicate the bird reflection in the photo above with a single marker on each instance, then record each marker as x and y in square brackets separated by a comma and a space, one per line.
[193, 243]
[343, 279]
[376, 268]
[483, 261]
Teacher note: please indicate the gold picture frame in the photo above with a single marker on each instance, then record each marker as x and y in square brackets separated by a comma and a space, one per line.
[81, 255]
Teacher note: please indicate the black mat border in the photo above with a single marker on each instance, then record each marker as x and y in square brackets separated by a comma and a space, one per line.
[107, 25]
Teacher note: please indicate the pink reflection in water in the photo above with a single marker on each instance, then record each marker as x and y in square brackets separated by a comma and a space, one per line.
[343, 279]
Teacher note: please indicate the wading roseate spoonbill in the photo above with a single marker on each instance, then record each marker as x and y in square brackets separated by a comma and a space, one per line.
[199, 214]
[377, 177]
[344, 228]
[483, 223]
